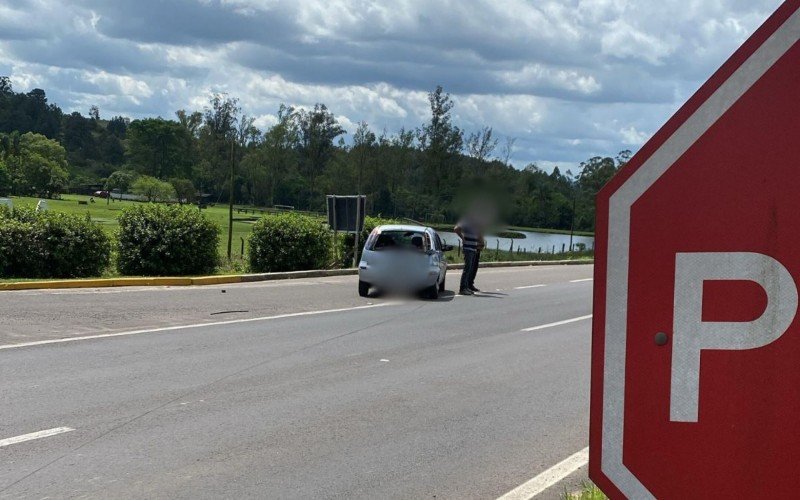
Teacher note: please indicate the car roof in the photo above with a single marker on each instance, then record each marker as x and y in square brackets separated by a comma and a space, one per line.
[402, 227]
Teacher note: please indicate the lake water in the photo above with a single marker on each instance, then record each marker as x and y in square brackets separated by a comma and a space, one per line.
[548, 243]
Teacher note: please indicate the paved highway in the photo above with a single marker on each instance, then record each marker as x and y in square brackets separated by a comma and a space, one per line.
[294, 389]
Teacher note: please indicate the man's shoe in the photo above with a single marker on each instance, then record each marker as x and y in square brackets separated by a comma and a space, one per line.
[474, 288]
[465, 292]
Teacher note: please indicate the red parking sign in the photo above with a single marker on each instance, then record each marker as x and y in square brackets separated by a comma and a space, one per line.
[696, 340]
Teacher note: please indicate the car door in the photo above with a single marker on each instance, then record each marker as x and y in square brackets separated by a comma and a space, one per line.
[439, 248]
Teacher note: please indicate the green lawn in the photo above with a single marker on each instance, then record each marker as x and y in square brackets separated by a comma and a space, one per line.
[106, 215]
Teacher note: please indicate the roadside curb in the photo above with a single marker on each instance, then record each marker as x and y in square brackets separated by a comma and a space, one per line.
[242, 278]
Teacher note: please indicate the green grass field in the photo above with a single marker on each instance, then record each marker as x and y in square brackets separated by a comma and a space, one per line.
[106, 215]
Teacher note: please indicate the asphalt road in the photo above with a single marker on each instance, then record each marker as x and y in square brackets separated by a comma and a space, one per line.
[375, 398]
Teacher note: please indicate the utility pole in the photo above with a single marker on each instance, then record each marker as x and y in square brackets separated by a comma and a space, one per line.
[230, 204]
[572, 225]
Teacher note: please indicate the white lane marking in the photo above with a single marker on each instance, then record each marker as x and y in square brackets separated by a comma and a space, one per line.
[557, 323]
[583, 280]
[549, 477]
[34, 435]
[197, 325]
[529, 286]
[140, 289]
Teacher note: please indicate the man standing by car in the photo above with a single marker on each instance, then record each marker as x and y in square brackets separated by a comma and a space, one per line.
[481, 246]
[471, 239]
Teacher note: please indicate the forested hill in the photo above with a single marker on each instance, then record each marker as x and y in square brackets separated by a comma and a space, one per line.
[416, 173]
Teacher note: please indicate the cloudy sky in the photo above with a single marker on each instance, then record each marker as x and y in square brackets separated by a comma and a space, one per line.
[569, 79]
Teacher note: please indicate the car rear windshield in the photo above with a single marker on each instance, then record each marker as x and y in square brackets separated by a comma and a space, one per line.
[401, 240]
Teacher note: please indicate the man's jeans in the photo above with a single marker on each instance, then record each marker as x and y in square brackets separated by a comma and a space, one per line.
[475, 269]
[470, 269]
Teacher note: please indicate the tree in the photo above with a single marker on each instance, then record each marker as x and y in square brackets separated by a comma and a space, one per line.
[364, 143]
[480, 144]
[5, 85]
[184, 190]
[122, 180]
[318, 128]
[508, 150]
[39, 166]
[118, 126]
[5, 179]
[217, 136]
[156, 147]
[77, 138]
[153, 189]
[595, 173]
[267, 167]
[440, 139]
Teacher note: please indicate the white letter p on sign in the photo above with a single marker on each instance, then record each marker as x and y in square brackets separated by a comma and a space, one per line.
[691, 335]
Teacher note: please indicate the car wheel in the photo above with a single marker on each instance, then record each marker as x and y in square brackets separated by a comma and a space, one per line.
[432, 292]
[441, 285]
[363, 288]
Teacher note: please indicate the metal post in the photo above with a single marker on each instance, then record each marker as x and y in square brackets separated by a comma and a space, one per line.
[572, 224]
[358, 230]
[230, 207]
[242, 247]
[335, 233]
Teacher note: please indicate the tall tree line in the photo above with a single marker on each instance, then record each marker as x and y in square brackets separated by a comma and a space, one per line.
[420, 173]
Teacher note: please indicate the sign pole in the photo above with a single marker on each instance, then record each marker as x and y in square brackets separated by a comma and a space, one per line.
[358, 230]
[335, 232]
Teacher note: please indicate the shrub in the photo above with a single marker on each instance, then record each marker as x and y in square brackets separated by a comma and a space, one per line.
[153, 189]
[158, 240]
[347, 241]
[289, 242]
[51, 245]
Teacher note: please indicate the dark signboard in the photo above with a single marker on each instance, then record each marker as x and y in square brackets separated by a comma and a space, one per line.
[346, 213]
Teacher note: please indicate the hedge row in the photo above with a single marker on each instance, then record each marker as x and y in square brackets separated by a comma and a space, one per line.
[294, 242]
[51, 245]
[158, 240]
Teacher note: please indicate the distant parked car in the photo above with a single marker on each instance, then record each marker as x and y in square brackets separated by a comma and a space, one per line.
[101, 194]
[403, 258]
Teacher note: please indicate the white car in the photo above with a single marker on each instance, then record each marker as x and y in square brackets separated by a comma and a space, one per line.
[405, 259]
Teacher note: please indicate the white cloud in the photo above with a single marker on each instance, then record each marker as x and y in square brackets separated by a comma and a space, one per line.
[569, 79]
[624, 41]
[633, 137]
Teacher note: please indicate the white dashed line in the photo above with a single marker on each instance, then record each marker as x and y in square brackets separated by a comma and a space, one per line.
[529, 286]
[557, 323]
[34, 435]
[582, 281]
[186, 327]
[549, 477]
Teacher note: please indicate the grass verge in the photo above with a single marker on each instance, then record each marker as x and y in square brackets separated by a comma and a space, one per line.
[587, 492]
[488, 255]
